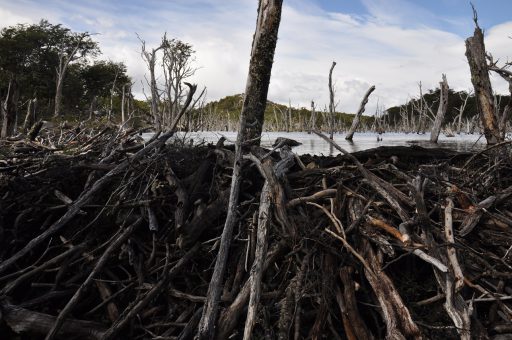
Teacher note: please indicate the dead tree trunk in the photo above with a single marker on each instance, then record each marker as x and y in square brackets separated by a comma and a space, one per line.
[9, 110]
[123, 99]
[30, 117]
[441, 110]
[312, 123]
[64, 61]
[92, 107]
[150, 59]
[331, 103]
[357, 118]
[251, 124]
[289, 116]
[475, 53]
[260, 67]
[461, 111]
[112, 92]
[504, 73]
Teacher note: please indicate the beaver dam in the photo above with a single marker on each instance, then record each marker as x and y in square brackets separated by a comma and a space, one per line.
[104, 237]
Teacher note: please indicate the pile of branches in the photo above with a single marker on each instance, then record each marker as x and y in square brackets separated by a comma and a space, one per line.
[105, 236]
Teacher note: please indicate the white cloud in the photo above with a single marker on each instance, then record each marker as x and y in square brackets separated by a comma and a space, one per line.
[375, 49]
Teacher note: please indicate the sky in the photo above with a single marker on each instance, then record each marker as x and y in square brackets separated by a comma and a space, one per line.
[392, 44]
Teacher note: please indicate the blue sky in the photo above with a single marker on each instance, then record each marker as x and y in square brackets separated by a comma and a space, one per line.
[393, 44]
[450, 15]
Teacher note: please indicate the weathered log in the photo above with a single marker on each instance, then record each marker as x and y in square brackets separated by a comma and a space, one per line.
[24, 321]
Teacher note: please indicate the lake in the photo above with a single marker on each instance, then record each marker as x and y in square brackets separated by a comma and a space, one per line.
[312, 144]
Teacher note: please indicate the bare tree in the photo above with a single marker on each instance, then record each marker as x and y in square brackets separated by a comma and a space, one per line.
[332, 107]
[9, 109]
[475, 53]
[464, 98]
[124, 103]
[420, 107]
[251, 124]
[312, 123]
[150, 58]
[112, 92]
[30, 117]
[441, 110]
[177, 66]
[75, 47]
[506, 74]
[357, 118]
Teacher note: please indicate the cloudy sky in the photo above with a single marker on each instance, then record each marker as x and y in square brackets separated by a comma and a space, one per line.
[393, 44]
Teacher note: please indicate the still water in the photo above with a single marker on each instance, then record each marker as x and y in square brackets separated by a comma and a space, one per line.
[312, 144]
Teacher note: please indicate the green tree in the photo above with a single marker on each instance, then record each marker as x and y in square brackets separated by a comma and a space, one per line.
[102, 81]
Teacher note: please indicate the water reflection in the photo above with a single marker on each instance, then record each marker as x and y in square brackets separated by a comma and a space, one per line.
[313, 144]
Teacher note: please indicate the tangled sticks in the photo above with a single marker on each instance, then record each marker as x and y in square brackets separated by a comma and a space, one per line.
[391, 242]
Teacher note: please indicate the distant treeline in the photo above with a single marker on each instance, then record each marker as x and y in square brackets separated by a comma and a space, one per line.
[224, 114]
[417, 114]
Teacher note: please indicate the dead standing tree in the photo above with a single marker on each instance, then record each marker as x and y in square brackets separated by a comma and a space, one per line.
[475, 53]
[357, 118]
[251, 124]
[8, 109]
[506, 74]
[464, 96]
[177, 61]
[332, 107]
[150, 59]
[74, 47]
[441, 110]
[312, 123]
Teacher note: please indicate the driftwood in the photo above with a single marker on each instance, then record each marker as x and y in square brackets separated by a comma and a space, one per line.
[23, 321]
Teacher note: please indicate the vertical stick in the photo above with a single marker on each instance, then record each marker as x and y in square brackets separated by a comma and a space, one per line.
[251, 125]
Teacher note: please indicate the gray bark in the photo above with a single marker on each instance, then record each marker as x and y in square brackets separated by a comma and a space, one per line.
[150, 59]
[64, 61]
[9, 110]
[312, 124]
[476, 55]
[251, 124]
[357, 118]
[123, 100]
[260, 67]
[331, 103]
[30, 117]
[441, 110]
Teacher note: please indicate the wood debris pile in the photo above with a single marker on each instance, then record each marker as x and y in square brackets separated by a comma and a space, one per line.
[103, 236]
